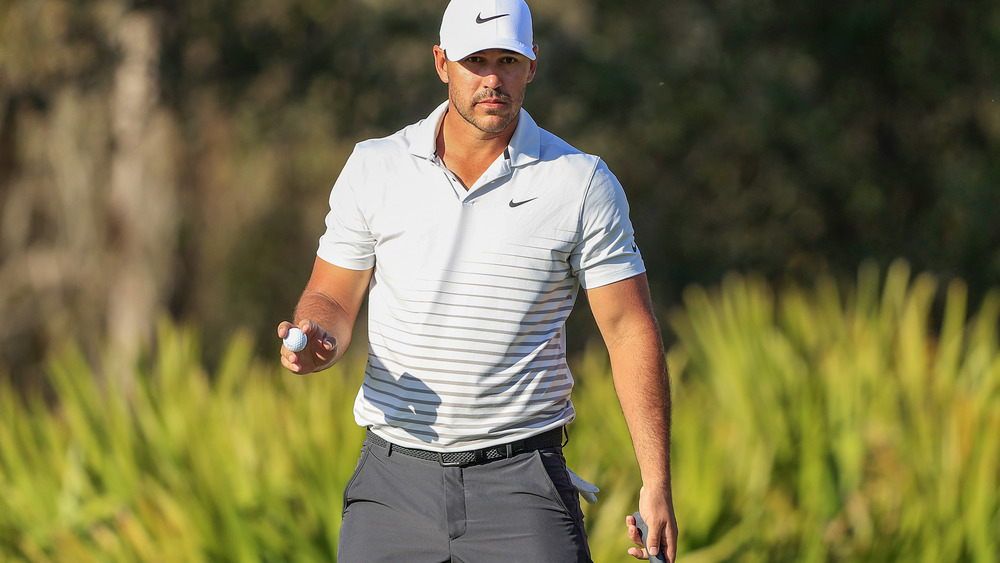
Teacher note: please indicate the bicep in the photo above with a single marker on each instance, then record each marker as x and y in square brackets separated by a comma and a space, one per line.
[343, 286]
[623, 309]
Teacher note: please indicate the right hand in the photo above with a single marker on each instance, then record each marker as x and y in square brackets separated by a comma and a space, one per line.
[319, 353]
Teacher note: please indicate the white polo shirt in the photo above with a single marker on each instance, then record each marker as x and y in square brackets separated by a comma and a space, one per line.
[471, 289]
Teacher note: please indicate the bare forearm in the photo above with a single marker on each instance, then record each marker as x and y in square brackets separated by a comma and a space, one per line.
[643, 386]
[624, 313]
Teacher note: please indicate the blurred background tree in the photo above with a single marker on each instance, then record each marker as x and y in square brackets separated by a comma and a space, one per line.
[177, 156]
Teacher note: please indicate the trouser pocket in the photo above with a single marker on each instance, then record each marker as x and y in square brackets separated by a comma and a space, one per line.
[354, 477]
[553, 464]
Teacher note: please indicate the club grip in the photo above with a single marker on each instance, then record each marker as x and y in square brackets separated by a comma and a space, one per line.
[644, 530]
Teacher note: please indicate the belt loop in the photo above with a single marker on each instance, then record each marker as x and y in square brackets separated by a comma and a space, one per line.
[517, 446]
[565, 432]
[388, 450]
[510, 450]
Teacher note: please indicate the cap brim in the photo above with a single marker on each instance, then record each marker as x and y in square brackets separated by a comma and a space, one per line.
[456, 53]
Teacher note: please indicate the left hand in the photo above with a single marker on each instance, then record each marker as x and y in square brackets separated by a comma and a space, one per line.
[657, 509]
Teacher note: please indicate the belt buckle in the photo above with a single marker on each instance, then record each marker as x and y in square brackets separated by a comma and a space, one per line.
[444, 463]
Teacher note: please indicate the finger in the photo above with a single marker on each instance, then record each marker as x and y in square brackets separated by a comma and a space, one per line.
[298, 362]
[283, 327]
[329, 343]
[633, 531]
[653, 543]
[638, 553]
[653, 539]
[671, 545]
[636, 536]
[289, 363]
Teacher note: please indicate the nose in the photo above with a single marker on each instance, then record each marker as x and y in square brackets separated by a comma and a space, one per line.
[491, 77]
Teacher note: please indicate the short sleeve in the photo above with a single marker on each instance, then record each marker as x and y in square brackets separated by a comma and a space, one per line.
[607, 251]
[348, 242]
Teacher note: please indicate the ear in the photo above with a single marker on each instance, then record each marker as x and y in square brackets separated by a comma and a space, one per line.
[533, 65]
[441, 64]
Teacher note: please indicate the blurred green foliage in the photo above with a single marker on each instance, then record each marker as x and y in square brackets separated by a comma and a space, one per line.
[811, 424]
[247, 465]
[842, 423]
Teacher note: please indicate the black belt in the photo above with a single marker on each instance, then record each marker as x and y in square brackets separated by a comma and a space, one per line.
[551, 439]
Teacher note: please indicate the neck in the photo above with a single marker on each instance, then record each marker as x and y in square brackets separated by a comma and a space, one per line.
[468, 151]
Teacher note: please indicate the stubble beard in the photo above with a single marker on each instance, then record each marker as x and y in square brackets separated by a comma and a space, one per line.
[468, 111]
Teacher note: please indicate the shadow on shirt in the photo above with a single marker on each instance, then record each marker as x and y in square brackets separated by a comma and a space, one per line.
[407, 403]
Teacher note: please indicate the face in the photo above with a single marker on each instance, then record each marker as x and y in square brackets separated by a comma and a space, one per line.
[487, 87]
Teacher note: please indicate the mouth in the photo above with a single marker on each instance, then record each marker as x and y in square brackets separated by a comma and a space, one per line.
[491, 104]
[492, 100]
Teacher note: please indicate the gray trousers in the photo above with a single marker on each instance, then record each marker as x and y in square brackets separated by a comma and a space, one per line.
[400, 508]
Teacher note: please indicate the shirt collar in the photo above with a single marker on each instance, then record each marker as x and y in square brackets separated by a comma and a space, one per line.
[524, 147]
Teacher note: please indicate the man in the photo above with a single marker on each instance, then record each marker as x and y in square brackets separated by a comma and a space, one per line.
[471, 232]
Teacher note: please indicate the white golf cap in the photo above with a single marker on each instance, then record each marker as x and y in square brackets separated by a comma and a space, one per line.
[474, 25]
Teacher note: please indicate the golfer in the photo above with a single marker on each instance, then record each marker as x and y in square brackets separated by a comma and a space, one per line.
[471, 232]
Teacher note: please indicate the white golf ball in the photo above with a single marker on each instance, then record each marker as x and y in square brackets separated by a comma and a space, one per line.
[295, 340]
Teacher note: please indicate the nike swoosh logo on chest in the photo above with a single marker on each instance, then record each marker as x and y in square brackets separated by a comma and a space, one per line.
[520, 203]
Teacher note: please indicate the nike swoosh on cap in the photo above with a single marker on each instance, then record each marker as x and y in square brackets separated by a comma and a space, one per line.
[481, 19]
